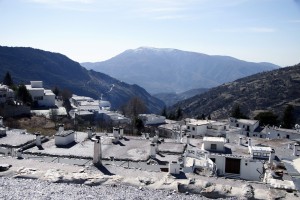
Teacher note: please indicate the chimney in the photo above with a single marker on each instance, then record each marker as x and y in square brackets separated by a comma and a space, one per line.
[152, 150]
[38, 141]
[97, 151]
[240, 141]
[116, 135]
[155, 139]
[19, 154]
[188, 137]
[121, 132]
[295, 150]
[1, 121]
[249, 142]
[289, 146]
[89, 131]
[61, 128]
[147, 135]
[271, 158]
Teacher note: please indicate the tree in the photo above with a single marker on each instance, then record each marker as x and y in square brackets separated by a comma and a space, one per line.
[56, 91]
[179, 113]
[134, 107]
[267, 118]
[23, 95]
[139, 124]
[164, 112]
[236, 113]
[288, 119]
[7, 80]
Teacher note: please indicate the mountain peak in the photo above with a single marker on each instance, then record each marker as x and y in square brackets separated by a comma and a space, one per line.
[152, 49]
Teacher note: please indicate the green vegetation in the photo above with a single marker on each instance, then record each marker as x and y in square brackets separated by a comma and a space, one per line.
[7, 80]
[236, 113]
[288, 119]
[23, 95]
[267, 118]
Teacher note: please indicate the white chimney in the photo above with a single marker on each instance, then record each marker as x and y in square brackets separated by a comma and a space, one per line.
[1, 121]
[188, 137]
[121, 132]
[155, 139]
[38, 141]
[97, 151]
[289, 146]
[295, 150]
[271, 158]
[174, 167]
[89, 131]
[19, 154]
[240, 141]
[116, 135]
[249, 142]
[61, 128]
[147, 135]
[152, 150]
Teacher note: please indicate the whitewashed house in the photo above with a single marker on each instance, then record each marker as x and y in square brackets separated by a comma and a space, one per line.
[44, 98]
[152, 119]
[197, 128]
[5, 93]
[280, 133]
[248, 126]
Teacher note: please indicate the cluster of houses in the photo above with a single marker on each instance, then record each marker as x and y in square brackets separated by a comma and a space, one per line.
[233, 148]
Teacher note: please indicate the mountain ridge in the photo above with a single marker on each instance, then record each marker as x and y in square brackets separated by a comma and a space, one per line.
[166, 70]
[55, 69]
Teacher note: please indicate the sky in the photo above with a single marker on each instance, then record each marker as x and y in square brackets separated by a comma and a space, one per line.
[97, 30]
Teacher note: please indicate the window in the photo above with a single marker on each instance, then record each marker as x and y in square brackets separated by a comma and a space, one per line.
[38, 98]
[237, 125]
[213, 146]
[288, 136]
[188, 127]
[193, 128]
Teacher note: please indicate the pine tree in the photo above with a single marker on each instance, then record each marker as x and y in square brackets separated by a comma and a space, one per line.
[7, 80]
[288, 119]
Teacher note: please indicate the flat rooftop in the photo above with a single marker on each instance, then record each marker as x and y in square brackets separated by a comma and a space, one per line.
[16, 138]
[247, 121]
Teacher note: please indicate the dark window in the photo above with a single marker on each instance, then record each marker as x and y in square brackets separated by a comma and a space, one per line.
[213, 146]
[288, 136]
[188, 127]
[193, 128]
[248, 128]
[237, 125]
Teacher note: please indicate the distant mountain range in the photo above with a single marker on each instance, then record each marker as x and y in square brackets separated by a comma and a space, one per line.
[172, 98]
[271, 91]
[26, 64]
[175, 71]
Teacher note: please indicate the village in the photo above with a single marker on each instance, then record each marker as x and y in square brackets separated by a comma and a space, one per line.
[213, 158]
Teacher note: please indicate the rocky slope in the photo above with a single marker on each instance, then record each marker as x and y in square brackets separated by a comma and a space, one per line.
[272, 90]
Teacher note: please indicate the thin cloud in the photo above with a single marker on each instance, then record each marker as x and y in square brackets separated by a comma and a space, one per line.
[247, 30]
[61, 1]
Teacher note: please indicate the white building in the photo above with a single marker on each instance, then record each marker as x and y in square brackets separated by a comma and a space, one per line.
[152, 119]
[114, 117]
[248, 126]
[280, 133]
[5, 93]
[88, 106]
[40, 95]
[198, 128]
[237, 163]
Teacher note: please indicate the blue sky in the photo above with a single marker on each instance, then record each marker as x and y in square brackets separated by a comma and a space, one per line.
[96, 30]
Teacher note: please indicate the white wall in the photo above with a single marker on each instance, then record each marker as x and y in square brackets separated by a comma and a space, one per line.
[60, 141]
[220, 146]
[249, 169]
